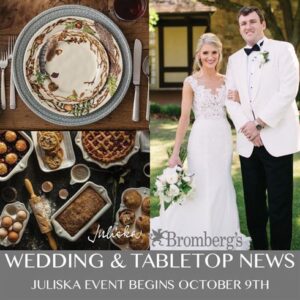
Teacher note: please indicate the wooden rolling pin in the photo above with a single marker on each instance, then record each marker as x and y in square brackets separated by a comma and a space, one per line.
[36, 204]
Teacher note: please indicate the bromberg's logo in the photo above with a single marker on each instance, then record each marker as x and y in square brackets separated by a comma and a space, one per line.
[165, 238]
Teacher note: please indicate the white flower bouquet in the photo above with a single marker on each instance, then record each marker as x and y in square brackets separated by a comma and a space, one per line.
[174, 185]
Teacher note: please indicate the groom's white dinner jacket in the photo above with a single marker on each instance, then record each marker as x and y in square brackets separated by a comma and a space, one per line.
[275, 87]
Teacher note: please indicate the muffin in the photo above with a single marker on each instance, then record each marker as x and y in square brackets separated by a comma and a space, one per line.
[3, 148]
[146, 206]
[120, 235]
[11, 158]
[143, 223]
[139, 241]
[132, 199]
[10, 136]
[3, 169]
[21, 145]
[127, 217]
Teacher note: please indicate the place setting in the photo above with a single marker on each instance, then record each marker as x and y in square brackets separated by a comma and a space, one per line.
[72, 65]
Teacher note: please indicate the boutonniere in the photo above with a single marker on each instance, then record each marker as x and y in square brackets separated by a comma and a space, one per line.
[263, 57]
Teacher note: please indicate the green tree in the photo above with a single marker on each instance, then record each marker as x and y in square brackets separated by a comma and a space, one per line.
[290, 9]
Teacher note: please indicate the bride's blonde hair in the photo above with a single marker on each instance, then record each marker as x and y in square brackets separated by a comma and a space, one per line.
[211, 39]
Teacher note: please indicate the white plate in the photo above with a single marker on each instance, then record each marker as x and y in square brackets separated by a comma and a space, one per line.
[122, 162]
[22, 164]
[60, 231]
[144, 192]
[66, 144]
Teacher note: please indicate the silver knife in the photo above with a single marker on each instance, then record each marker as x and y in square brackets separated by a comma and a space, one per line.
[137, 62]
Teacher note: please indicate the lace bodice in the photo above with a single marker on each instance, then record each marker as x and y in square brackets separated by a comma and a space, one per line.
[207, 104]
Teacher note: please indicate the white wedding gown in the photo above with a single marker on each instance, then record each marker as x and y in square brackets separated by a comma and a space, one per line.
[210, 213]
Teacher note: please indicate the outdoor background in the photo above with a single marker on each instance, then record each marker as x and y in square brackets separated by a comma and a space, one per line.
[175, 28]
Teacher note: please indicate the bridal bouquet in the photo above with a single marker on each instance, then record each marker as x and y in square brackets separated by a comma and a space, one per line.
[173, 185]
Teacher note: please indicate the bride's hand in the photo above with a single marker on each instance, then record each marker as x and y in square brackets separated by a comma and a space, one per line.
[174, 161]
[234, 96]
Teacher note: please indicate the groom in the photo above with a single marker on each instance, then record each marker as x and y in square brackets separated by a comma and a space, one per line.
[266, 75]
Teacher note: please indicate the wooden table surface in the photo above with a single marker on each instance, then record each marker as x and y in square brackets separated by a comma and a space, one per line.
[15, 14]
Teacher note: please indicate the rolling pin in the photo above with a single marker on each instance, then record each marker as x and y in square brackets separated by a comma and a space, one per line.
[43, 221]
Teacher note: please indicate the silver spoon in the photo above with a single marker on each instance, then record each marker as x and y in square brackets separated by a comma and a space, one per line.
[145, 68]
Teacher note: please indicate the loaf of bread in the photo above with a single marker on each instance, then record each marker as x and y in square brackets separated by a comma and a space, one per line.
[76, 215]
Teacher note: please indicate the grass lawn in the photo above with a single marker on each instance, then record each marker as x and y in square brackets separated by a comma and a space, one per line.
[162, 137]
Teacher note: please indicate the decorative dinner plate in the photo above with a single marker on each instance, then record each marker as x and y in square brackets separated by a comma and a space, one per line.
[72, 65]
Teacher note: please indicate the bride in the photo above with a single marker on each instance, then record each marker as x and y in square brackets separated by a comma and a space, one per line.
[208, 219]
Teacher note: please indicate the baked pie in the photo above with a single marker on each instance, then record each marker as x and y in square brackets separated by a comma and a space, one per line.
[108, 146]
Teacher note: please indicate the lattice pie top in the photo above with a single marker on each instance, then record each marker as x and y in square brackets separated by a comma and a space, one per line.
[108, 146]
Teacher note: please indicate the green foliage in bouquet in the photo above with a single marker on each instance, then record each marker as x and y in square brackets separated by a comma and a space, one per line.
[182, 152]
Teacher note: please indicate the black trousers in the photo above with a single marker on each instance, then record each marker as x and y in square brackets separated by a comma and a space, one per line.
[268, 194]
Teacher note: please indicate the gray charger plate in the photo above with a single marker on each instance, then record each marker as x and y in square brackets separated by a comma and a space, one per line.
[18, 56]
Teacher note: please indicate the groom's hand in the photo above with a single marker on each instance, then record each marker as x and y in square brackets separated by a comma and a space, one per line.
[257, 141]
[250, 130]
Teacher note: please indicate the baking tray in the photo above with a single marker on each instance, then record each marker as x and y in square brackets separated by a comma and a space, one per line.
[60, 231]
[144, 192]
[22, 164]
[66, 144]
[10, 210]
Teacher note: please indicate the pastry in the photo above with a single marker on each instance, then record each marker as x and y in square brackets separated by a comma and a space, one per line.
[10, 136]
[146, 206]
[21, 145]
[59, 135]
[132, 199]
[121, 235]
[76, 215]
[143, 223]
[139, 241]
[127, 217]
[3, 169]
[54, 161]
[108, 146]
[3, 148]
[47, 140]
[11, 158]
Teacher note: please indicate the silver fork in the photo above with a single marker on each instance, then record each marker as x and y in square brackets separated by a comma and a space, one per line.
[12, 94]
[3, 65]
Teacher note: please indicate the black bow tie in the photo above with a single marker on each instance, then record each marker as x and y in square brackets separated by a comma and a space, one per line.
[254, 48]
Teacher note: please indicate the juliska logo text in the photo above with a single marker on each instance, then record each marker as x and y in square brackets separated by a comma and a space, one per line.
[170, 239]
